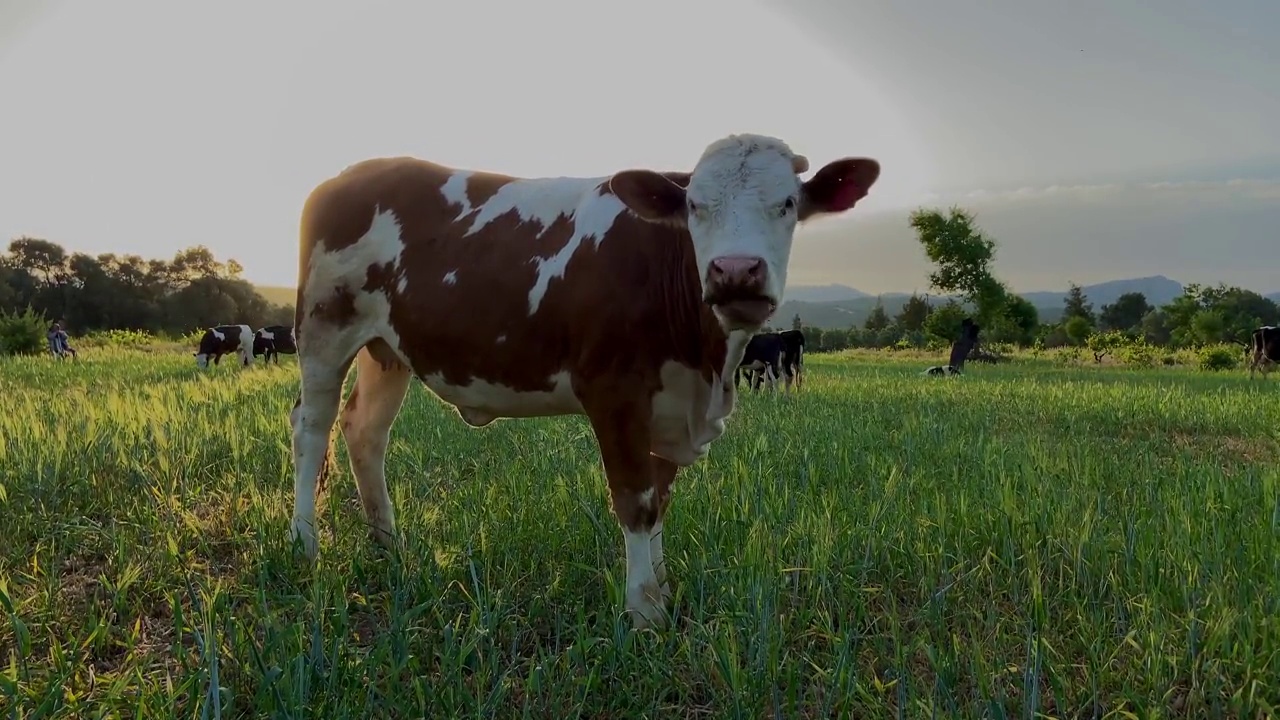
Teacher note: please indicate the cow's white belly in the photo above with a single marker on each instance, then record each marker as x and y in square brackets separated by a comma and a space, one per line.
[688, 414]
[480, 403]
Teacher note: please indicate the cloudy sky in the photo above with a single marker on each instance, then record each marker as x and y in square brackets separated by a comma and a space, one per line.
[1095, 140]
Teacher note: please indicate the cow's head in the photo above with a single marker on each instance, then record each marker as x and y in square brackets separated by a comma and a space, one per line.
[202, 360]
[741, 208]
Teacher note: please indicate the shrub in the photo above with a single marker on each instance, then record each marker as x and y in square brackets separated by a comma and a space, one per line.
[1219, 357]
[1138, 353]
[120, 338]
[23, 333]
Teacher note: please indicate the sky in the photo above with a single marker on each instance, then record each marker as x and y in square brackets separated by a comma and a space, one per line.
[1094, 139]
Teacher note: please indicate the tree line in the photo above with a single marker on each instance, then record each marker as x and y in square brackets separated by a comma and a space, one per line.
[962, 256]
[41, 282]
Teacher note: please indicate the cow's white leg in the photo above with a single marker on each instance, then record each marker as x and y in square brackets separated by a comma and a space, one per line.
[664, 473]
[366, 426]
[624, 438]
[312, 421]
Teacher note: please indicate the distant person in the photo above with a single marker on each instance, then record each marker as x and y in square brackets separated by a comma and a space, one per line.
[60, 343]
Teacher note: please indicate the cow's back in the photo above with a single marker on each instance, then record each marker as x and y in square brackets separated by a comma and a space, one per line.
[472, 275]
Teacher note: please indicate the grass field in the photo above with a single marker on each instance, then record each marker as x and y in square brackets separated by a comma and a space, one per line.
[1028, 539]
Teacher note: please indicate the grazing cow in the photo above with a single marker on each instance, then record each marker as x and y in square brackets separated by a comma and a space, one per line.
[224, 340]
[1264, 350]
[272, 340]
[793, 357]
[941, 371]
[628, 299]
[762, 361]
[960, 351]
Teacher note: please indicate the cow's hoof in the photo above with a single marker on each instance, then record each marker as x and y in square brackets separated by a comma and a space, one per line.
[384, 538]
[304, 533]
[647, 606]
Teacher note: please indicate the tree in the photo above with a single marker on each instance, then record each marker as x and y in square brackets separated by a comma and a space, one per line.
[1155, 327]
[1023, 319]
[1106, 343]
[914, 313]
[944, 322]
[878, 319]
[1077, 305]
[963, 257]
[1126, 312]
[44, 260]
[129, 292]
[1078, 329]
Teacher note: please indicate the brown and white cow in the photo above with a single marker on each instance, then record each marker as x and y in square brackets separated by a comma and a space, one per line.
[224, 340]
[1264, 350]
[628, 299]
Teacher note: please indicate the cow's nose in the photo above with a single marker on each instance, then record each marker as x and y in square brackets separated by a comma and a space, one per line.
[743, 270]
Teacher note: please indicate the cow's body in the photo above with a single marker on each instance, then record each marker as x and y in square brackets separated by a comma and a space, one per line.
[272, 340]
[225, 340]
[761, 361]
[1264, 350]
[793, 357]
[628, 299]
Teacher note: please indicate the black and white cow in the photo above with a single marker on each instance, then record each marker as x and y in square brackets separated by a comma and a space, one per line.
[272, 340]
[225, 340]
[762, 361]
[941, 371]
[1264, 350]
[960, 350]
[792, 357]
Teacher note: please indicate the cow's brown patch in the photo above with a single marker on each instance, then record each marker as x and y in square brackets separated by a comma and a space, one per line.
[338, 309]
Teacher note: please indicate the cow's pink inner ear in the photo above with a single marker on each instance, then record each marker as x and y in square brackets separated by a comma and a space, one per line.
[650, 195]
[839, 185]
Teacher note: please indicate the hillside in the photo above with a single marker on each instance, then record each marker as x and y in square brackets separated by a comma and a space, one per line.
[277, 294]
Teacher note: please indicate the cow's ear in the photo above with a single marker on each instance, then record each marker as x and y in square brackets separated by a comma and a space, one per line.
[653, 196]
[838, 186]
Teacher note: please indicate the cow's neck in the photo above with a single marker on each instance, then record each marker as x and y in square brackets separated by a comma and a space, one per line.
[692, 327]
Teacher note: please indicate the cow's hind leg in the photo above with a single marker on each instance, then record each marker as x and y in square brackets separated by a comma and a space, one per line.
[312, 421]
[381, 385]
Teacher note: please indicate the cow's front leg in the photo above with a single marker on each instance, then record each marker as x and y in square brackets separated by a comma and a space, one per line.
[664, 473]
[622, 431]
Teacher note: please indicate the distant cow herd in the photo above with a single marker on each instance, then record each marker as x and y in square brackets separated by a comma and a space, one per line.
[769, 356]
[243, 342]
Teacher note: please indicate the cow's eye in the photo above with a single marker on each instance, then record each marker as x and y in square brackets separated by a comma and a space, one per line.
[693, 206]
[787, 207]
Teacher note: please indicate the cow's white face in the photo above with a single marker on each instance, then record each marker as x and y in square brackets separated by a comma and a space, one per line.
[741, 207]
[202, 360]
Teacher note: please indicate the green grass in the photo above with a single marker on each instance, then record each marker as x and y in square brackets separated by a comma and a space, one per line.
[1068, 541]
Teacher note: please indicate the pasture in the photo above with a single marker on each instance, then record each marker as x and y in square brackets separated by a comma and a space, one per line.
[1029, 538]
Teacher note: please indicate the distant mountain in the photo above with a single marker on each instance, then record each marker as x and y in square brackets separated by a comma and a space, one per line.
[823, 293]
[1158, 290]
[1274, 296]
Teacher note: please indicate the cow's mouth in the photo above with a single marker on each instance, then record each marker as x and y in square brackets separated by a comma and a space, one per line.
[745, 313]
